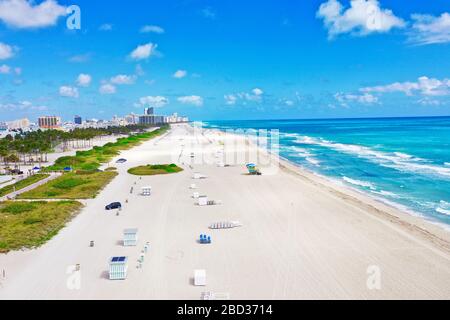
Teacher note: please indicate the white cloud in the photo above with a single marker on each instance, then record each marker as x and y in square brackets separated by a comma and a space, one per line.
[5, 69]
[429, 102]
[428, 29]
[180, 74]
[21, 106]
[209, 13]
[153, 101]
[230, 99]
[26, 14]
[423, 85]
[139, 71]
[152, 29]
[84, 80]
[67, 91]
[345, 98]
[107, 88]
[143, 51]
[289, 103]
[123, 79]
[80, 58]
[106, 27]
[193, 100]
[6, 51]
[362, 17]
[257, 92]
[255, 95]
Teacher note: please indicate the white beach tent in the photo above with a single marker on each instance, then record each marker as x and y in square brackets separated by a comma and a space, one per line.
[146, 191]
[130, 237]
[202, 201]
[200, 277]
[198, 176]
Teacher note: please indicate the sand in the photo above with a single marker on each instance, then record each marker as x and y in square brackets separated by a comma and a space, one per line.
[303, 237]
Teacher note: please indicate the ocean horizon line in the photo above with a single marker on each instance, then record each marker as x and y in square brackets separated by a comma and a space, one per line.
[319, 119]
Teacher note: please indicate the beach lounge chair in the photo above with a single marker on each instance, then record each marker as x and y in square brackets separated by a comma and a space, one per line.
[214, 202]
[253, 169]
[225, 225]
[215, 296]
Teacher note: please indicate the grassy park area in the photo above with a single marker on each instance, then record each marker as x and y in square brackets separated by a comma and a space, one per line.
[150, 170]
[92, 159]
[22, 184]
[79, 185]
[31, 224]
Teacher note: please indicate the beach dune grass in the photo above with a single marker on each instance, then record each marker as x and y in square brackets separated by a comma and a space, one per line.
[31, 224]
[92, 159]
[22, 184]
[154, 169]
[74, 185]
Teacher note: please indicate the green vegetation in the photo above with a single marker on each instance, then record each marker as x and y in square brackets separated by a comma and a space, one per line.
[92, 159]
[22, 184]
[33, 147]
[31, 224]
[79, 185]
[154, 169]
[111, 169]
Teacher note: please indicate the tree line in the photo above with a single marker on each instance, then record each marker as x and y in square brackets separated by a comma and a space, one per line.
[33, 147]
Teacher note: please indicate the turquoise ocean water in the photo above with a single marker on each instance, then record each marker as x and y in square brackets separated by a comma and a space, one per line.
[402, 161]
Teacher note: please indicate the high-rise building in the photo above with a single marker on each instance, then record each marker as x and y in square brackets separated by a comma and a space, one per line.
[77, 120]
[149, 111]
[131, 119]
[151, 120]
[49, 122]
[18, 124]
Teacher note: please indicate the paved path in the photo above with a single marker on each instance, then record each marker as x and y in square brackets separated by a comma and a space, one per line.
[12, 195]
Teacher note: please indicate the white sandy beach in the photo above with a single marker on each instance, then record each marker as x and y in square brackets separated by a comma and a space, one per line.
[302, 237]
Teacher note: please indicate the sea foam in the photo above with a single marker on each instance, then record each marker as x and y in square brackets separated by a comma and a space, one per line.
[396, 160]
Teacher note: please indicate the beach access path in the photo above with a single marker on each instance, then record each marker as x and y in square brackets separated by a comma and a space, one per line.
[14, 194]
[301, 237]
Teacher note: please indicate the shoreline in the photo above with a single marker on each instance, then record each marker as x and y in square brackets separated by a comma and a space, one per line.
[431, 231]
[434, 231]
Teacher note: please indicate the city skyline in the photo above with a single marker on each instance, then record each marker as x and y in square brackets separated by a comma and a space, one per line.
[57, 122]
[213, 60]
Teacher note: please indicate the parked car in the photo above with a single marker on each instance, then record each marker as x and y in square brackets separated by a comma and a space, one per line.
[121, 160]
[113, 205]
[16, 171]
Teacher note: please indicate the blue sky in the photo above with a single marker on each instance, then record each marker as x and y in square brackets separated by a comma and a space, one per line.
[226, 59]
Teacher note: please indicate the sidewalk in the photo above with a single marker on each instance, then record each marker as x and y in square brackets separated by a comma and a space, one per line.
[12, 195]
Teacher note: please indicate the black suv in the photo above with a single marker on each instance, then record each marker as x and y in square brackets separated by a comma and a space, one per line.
[114, 205]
